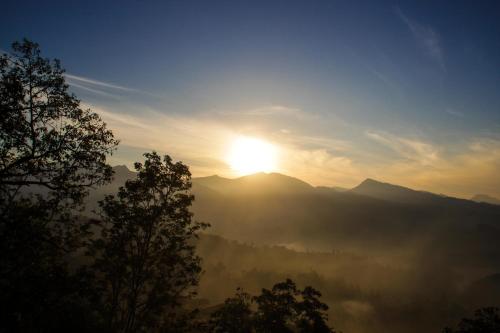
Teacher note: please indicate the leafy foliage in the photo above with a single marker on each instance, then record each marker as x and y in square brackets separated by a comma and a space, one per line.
[283, 308]
[46, 139]
[145, 258]
[235, 315]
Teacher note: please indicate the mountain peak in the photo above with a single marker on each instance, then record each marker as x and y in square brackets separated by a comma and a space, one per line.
[390, 192]
[121, 168]
[369, 181]
[122, 173]
[260, 182]
[275, 179]
[212, 177]
[271, 175]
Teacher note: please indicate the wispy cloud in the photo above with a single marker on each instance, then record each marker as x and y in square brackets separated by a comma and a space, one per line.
[198, 141]
[416, 150]
[382, 77]
[376, 73]
[469, 169]
[428, 38]
[321, 167]
[72, 79]
[454, 112]
[108, 89]
[268, 111]
[92, 90]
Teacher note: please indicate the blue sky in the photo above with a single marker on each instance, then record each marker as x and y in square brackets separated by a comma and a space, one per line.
[406, 92]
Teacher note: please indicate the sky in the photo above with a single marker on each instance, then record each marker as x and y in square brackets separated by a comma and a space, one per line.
[403, 92]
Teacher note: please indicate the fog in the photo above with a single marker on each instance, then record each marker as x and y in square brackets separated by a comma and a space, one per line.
[409, 263]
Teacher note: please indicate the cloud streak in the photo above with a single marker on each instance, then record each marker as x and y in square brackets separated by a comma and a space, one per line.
[454, 112]
[92, 90]
[107, 89]
[72, 79]
[426, 37]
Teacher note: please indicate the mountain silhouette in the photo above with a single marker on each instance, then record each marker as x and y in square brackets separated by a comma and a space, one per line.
[259, 183]
[395, 193]
[486, 199]
[277, 209]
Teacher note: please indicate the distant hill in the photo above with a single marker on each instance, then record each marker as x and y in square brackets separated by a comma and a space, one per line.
[120, 176]
[277, 209]
[486, 199]
[395, 193]
[258, 183]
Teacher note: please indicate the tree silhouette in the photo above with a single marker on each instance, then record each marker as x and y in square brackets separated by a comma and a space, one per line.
[145, 260]
[284, 308]
[276, 307]
[46, 139]
[485, 320]
[235, 316]
[51, 153]
[311, 312]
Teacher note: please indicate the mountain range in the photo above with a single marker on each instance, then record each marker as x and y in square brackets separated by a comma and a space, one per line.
[277, 209]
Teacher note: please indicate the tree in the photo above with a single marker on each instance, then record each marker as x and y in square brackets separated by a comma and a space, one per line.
[47, 141]
[486, 320]
[51, 152]
[145, 261]
[235, 316]
[279, 310]
[311, 312]
[284, 308]
[276, 307]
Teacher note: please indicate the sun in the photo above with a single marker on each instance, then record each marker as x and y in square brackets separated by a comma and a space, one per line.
[251, 155]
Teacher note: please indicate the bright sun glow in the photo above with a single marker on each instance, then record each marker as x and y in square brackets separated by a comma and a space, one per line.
[250, 155]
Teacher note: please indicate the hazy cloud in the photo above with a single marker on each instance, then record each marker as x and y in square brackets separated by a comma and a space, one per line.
[321, 167]
[471, 169]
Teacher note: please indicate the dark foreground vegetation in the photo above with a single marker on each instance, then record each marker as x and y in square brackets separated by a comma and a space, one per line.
[133, 266]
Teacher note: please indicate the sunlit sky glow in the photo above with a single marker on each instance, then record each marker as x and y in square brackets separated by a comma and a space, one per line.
[251, 155]
[403, 92]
